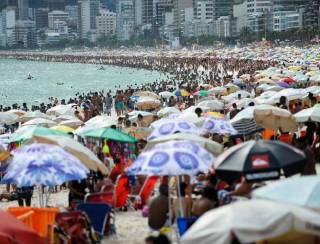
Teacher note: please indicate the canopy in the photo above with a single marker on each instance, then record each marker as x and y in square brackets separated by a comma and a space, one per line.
[110, 134]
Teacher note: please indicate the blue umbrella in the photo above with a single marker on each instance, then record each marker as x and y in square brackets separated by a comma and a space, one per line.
[218, 125]
[169, 127]
[178, 93]
[43, 165]
[172, 158]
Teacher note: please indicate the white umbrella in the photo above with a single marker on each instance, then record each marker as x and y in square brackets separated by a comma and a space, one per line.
[102, 121]
[167, 111]
[8, 118]
[212, 146]
[17, 112]
[212, 105]
[41, 122]
[290, 94]
[166, 94]
[33, 115]
[63, 118]
[234, 96]
[191, 117]
[62, 110]
[133, 115]
[275, 118]
[73, 123]
[146, 94]
[147, 103]
[251, 221]
[309, 114]
[192, 109]
[217, 90]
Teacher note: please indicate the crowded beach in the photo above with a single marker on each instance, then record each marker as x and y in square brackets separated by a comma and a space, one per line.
[225, 150]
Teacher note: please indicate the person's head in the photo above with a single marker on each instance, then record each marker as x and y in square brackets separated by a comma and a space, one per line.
[198, 111]
[163, 189]
[160, 239]
[239, 96]
[310, 95]
[140, 117]
[128, 123]
[251, 104]
[234, 106]
[283, 100]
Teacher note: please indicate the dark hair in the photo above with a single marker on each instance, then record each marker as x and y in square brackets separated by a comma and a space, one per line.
[160, 239]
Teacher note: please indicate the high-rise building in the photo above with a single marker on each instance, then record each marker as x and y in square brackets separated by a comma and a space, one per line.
[161, 8]
[290, 5]
[41, 17]
[25, 33]
[106, 23]
[125, 19]
[138, 12]
[204, 10]
[179, 7]
[87, 12]
[56, 4]
[311, 17]
[222, 8]
[23, 8]
[72, 11]
[57, 15]
[147, 12]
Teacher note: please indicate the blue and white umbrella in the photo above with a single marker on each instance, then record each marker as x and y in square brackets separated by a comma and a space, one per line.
[169, 127]
[172, 158]
[43, 165]
[218, 125]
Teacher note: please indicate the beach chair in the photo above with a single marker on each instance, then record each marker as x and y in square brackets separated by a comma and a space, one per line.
[101, 197]
[184, 224]
[107, 188]
[145, 192]
[98, 213]
[73, 227]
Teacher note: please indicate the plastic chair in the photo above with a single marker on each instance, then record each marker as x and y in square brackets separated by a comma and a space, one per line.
[100, 197]
[98, 213]
[184, 224]
[107, 188]
[145, 191]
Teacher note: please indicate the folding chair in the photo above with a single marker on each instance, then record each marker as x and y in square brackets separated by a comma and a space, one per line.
[145, 192]
[98, 213]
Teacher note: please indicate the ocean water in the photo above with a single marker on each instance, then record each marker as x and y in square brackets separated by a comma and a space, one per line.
[63, 80]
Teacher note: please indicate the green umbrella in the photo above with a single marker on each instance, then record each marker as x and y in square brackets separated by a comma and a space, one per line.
[110, 134]
[203, 93]
[27, 133]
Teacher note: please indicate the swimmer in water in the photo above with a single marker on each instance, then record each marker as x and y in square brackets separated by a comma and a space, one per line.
[29, 76]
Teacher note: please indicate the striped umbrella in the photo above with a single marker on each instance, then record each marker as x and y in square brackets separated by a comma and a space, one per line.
[246, 126]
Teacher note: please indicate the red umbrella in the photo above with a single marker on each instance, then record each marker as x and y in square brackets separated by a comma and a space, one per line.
[288, 80]
[14, 231]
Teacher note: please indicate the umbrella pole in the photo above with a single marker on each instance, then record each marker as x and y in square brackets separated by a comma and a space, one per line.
[179, 198]
[170, 210]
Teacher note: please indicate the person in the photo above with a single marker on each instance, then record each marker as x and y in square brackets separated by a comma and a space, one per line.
[283, 103]
[198, 112]
[186, 201]
[24, 195]
[312, 99]
[77, 191]
[160, 239]
[310, 166]
[108, 104]
[206, 202]
[141, 122]
[234, 111]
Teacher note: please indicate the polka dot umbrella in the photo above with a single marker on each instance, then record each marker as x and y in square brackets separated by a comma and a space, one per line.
[172, 158]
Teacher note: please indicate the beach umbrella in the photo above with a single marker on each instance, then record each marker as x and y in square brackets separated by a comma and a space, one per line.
[73, 123]
[62, 128]
[85, 155]
[283, 84]
[234, 96]
[288, 80]
[242, 103]
[164, 112]
[147, 116]
[212, 105]
[217, 90]
[13, 230]
[40, 122]
[303, 191]
[201, 93]
[275, 118]
[212, 146]
[61, 118]
[245, 77]
[138, 132]
[33, 115]
[218, 125]
[147, 103]
[28, 132]
[62, 110]
[192, 109]
[263, 98]
[265, 81]
[189, 117]
[17, 112]
[232, 88]
[214, 114]
[43, 165]
[166, 94]
[253, 221]
[108, 133]
[170, 127]
[146, 94]
[259, 160]
[101, 121]
[309, 114]
[8, 118]
[172, 158]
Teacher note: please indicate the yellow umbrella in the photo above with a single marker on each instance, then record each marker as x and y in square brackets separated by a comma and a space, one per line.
[265, 81]
[295, 68]
[63, 128]
[215, 114]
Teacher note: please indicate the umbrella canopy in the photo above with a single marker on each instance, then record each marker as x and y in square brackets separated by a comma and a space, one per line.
[309, 114]
[85, 155]
[303, 191]
[40, 122]
[218, 125]
[212, 105]
[251, 221]
[217, 90]
[63, 128]
[170, 127]
[15, 231]
[167, 111]
[147, 103]
[275, 118]
[259, 160]
[28, 132]
[212, 146]
[147, 116]
[108, 133]
[288, 80]
[42, 164]
[17, 112]
[73, 123]
[101, 121]
[8, 118]
[283, 84]
[62, 110]
[61, 118]
[146, 94]
[166, 94]
[33, 115]
[172, 158]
